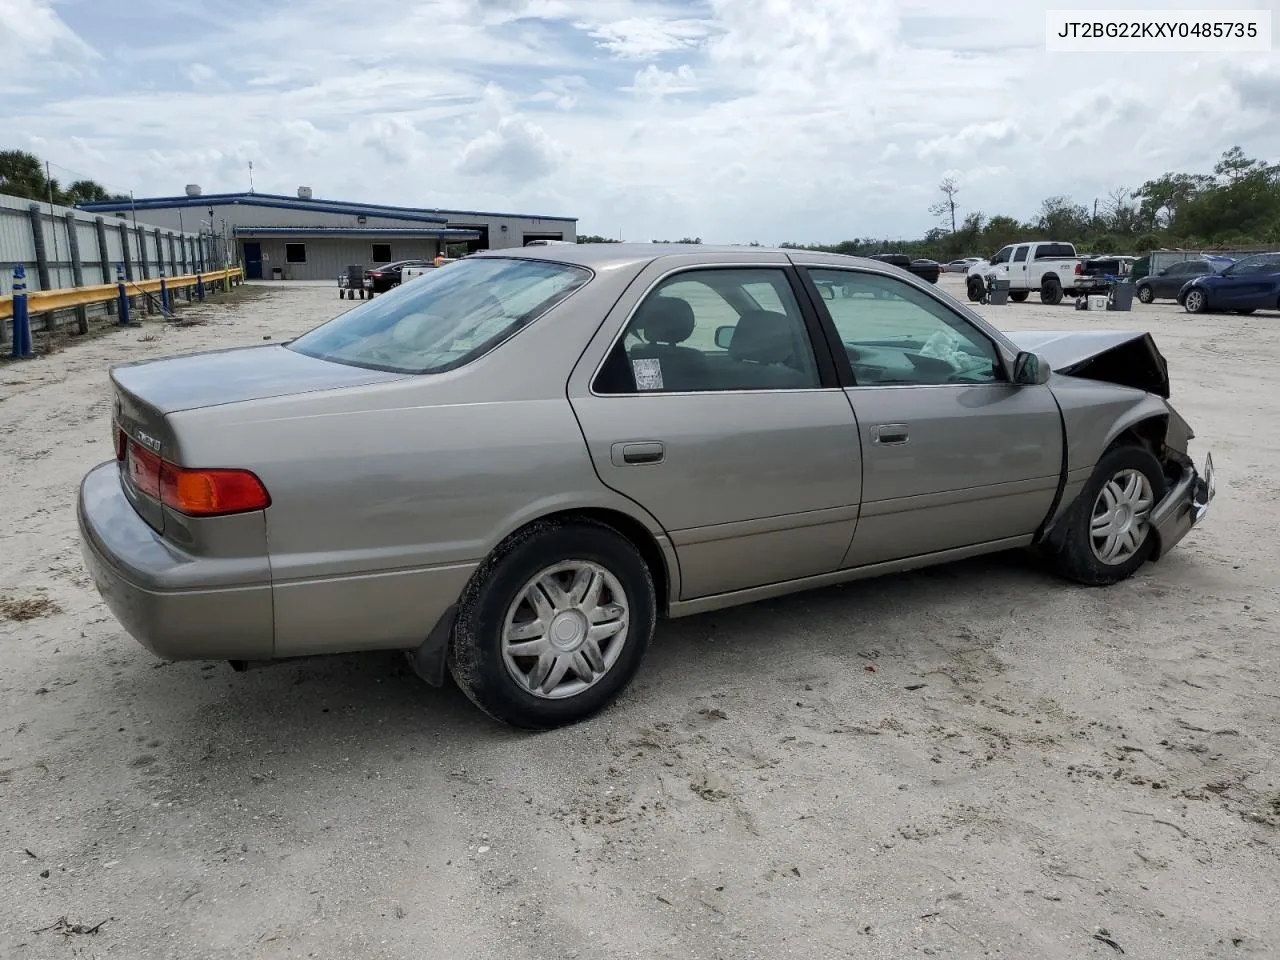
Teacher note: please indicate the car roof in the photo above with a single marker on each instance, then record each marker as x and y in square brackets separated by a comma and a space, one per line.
[602, 255]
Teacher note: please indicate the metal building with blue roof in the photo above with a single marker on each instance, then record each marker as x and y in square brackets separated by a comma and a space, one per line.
[304, 237]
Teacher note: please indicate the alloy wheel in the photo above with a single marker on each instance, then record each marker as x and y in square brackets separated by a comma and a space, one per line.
[1120, 523]
[565, 629]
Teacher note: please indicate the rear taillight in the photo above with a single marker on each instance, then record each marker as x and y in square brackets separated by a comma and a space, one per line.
[196, 493]
[120, 440]
[211, 493]
[1079, 269]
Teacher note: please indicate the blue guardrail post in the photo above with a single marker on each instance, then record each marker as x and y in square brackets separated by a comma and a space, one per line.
[21, 319]
[123, 297]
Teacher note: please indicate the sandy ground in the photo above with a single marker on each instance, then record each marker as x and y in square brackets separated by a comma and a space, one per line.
[975, 760]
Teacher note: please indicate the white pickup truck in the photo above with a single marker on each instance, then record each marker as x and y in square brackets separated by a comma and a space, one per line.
[1051, 267]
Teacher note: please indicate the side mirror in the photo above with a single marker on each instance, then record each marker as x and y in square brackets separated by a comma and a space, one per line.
[1030, 369]
[724, 337]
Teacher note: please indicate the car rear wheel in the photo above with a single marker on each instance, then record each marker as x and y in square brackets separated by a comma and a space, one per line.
[975, 288]
[1195, 301]
[554, 625]
[1145, 294]
[1106, 534]
[1019, 296]
[1051, 291]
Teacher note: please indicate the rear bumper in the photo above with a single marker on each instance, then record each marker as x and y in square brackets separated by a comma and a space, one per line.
[134, 570]
[1184, 506]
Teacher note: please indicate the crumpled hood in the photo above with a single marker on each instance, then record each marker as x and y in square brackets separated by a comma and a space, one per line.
[1122, 357]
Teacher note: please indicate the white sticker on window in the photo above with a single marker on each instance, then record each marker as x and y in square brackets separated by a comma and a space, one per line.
[648, 371]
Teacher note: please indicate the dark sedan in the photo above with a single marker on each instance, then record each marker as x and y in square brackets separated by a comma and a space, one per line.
[924, 269]
[1165, 284]
[382, 278]
[1247, 285]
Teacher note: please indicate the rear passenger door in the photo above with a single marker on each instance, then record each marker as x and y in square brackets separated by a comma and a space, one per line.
[704, 400]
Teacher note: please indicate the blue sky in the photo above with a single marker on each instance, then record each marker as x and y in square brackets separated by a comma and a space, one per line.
[733, 120]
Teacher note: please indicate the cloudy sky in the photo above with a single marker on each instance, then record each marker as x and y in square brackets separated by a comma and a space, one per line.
[733, 120]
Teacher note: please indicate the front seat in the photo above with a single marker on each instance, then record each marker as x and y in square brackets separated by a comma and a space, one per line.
[664, 323]
[770, 352]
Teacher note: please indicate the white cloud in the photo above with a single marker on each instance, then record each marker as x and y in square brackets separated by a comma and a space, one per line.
[972, 140]
[642, 38]
[31, 30]
[199, 74]
[654, 83]
[516, 150]
[733, 120]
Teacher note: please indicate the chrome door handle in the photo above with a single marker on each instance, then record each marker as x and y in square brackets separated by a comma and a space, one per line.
[889, 433]
[637, 452]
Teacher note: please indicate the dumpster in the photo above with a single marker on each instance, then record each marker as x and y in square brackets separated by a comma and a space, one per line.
[997, 292]
[1121, 297]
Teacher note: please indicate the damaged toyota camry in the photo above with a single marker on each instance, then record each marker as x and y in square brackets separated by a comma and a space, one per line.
[512, 468]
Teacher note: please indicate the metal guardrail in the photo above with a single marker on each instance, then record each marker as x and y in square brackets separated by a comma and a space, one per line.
[47, 301]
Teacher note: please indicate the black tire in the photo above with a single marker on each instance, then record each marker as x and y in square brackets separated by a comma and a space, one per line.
[1051, 291]
[1070, 548]
[1146, 294]
[976, 289]
[1195, 301]
[476, 652]
[1019, 296]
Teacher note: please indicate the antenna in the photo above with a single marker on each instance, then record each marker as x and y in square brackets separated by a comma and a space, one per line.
[251, 176]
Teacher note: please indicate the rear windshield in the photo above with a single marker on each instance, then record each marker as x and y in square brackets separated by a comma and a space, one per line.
[446, 318]
[1055, 251]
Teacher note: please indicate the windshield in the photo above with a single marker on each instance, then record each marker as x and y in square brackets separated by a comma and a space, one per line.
[446, 318]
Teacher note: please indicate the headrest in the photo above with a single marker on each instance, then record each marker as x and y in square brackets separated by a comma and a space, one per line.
[665, 320]
[763, 336]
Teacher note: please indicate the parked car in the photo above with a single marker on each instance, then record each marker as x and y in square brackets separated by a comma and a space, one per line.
[1249, 284]
[925, 269]
[382, 278]
[1051, 267]
[960, 266]
[1166, 283]
[510, 468]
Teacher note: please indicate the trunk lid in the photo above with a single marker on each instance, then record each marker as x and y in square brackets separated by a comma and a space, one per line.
[146, 392]
[234, 375]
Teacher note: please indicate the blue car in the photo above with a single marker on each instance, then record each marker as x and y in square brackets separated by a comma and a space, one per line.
[1247, 285]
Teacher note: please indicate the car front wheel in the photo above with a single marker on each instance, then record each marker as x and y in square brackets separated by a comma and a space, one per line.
[1105, 536]
[1145, 294]
[975, 289]
[554, 625]
[1195, 301]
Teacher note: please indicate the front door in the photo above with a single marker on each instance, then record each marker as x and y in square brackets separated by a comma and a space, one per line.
[1018, 279]
[954, 455]
[713, 412]
[252, 260]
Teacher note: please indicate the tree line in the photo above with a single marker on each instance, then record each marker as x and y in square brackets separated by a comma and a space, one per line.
[1238, 205]
[23, 175]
